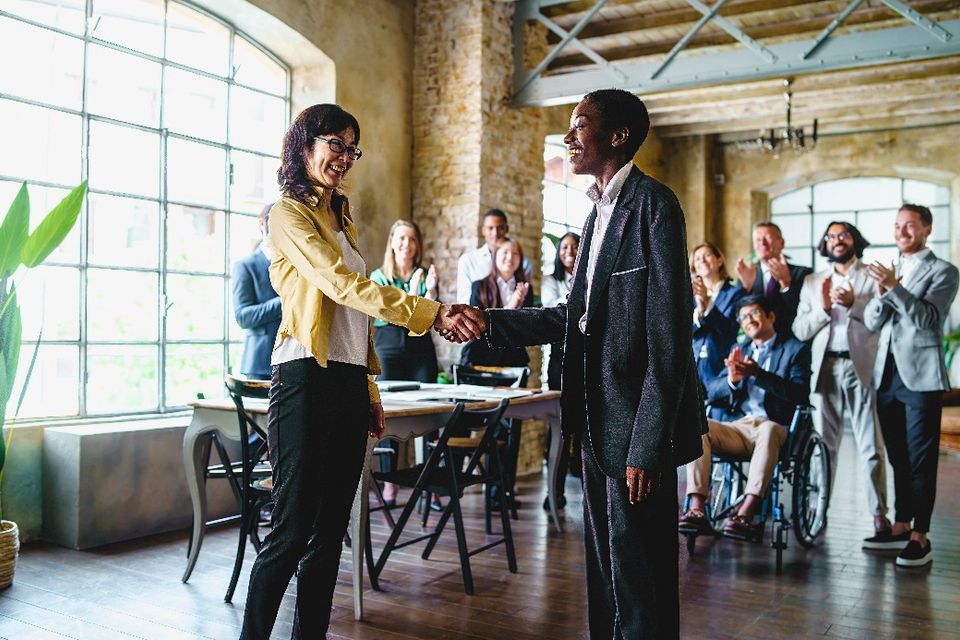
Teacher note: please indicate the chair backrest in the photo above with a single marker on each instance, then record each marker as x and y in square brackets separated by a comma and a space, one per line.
[253, 439]
[800, 425]
[464, 420]
[490, 376]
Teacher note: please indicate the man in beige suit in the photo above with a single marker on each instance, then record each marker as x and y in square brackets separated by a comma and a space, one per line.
[830, 313]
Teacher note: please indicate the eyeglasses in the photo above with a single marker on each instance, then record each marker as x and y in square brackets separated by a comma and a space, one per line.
[338, 147]
[843, 235]
[753, 313]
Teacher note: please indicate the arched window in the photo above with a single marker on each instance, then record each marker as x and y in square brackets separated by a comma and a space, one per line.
[871, 204]
[176, 120]
[565, 202]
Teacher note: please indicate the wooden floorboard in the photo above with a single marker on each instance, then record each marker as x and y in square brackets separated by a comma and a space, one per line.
[728, 590]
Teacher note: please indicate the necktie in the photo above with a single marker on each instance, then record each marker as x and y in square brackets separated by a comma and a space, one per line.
[772, 287]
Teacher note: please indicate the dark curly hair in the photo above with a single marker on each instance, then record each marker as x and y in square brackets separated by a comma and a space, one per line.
[318, 120]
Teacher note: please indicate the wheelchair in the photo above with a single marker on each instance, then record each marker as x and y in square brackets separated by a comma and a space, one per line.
[804, 465]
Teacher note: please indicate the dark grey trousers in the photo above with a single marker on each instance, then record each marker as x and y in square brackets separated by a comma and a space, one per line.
[632, 553]
[317, 432]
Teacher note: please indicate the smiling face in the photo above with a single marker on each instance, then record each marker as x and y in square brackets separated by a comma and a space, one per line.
[568, 253]
[493, 229]
[404, 245]
[508, 258]
[757, 324]
[767, 243]
[705, 264]
[325, 167]
[593, 149]
[840, 244]
[910, 233]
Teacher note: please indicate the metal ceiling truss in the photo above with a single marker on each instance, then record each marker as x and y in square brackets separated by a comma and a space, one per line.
[923, 40]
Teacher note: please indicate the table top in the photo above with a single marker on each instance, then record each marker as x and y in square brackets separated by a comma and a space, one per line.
[429, 399]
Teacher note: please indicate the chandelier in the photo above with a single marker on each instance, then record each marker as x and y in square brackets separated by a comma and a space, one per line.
[791, 138]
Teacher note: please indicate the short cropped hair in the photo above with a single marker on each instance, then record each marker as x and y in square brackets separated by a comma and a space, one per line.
[859, 242]
[920, 210]
[767, 223]
[496, 213]
[755, 299]
[622, 109]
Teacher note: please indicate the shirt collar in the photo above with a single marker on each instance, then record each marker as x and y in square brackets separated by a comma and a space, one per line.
[764, 347]
[916, 258]
[510, 283]
[612, 191]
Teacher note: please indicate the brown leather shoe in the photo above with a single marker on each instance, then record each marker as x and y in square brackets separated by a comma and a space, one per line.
[742, 528]
[694, 521]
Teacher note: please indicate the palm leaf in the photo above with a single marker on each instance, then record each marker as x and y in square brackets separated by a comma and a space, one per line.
[13, 232]
[54, 228]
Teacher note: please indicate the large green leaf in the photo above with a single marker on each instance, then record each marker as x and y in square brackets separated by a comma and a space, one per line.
[11, 331]
[54, 228]
[13, 232]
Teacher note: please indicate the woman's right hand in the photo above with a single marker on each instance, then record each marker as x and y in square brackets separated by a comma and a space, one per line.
[700, 293]
[519, 295]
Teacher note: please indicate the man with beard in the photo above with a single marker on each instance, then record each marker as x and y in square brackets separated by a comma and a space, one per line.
[629, 381]
[830, 314]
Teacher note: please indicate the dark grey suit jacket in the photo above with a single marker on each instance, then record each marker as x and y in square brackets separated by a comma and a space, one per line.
[631, 381]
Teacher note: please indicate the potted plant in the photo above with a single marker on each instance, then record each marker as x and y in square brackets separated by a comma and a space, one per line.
[19, 248]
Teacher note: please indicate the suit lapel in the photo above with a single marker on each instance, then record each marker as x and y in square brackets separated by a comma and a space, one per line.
[612, 237]
[776, 352]
[920, 272]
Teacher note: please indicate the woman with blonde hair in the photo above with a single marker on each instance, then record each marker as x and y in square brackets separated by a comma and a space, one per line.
[715, 325]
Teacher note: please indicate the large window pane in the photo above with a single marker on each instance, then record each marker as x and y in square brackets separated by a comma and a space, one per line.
[121, 378]
[196, 40]
[54, 386]
[55, 71]
[124, 159]
[244, 236]
[256, 120]
[42, 200]
[47, 144]
[254, 181]
[123, 231]
[121, 305]
[193, 369]
[578, 208]
[941, 224]
[135, 24]
[235, 354]
[856, 193]
[195, 239]
[49, 299]
[925, 193]
[793, 202]
[877, 226]
[256, 69]
[123, 86]
[195, 105]
[554, 208]
[196, 307]
[67, 15]
[795, 229]
[196, 173]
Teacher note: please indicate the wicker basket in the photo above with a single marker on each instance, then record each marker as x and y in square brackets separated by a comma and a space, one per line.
[9, 547]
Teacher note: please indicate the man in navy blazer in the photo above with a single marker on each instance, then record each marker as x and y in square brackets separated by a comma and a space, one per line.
[629, 381]
[765, 379]
[256, 306]
[772, 276]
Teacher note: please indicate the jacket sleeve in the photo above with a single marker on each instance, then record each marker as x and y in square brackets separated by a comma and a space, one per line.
[811, 317]
[721, 394]
[669, 308]
[930, 310]
[527, 326]
[795, 386]
[876, 313]
[297, 239]
[248, 312]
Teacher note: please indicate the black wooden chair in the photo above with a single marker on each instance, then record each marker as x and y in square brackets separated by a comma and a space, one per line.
[255, 485]
[442, 474]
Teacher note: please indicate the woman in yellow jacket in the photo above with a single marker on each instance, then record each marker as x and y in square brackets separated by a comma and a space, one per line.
[323, 401]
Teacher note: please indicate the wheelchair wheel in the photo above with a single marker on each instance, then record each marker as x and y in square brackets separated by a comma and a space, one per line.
[811, 491]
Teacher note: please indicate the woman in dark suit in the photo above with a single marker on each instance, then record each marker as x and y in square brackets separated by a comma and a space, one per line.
[715, 325]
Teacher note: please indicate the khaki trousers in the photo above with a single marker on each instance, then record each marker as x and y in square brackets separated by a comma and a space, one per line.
[759, 438]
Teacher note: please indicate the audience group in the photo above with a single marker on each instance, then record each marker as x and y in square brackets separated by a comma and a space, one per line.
[860, 342]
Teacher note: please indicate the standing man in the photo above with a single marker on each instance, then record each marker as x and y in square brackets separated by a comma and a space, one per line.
[831, 312]
[478, 264]
[256, 306]
[629, 381]
[772, 276]
[911, 305]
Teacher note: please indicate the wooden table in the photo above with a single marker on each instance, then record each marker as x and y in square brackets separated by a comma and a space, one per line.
[408, 415]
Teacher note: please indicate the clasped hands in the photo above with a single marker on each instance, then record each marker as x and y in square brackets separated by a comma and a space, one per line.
[740, 367]
[885, 278]
[460, 322]
[779, 271]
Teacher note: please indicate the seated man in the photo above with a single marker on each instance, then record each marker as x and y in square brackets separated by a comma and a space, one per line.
[757, 395]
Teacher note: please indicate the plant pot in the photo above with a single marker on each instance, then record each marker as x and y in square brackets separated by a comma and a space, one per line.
[9, 548]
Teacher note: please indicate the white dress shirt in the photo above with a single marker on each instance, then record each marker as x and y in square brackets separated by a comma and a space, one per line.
[605, 204]
[553, 291]
[476, 265]
[909, 264]
[506, 287]
[753, 406]
[839, 314]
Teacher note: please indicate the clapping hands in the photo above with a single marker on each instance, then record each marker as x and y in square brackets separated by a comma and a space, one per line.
[519, 295]
[885, 278]
[460, 322]
[740, 367]
[746, 272]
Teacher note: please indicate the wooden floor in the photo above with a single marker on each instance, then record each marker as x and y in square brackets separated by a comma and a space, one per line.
[729, 589]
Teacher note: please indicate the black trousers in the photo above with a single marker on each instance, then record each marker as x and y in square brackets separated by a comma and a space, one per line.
[317, 432]
[632, 554]
[910, 422]
[405, 357]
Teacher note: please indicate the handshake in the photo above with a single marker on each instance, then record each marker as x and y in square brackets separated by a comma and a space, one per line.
[460, 322]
